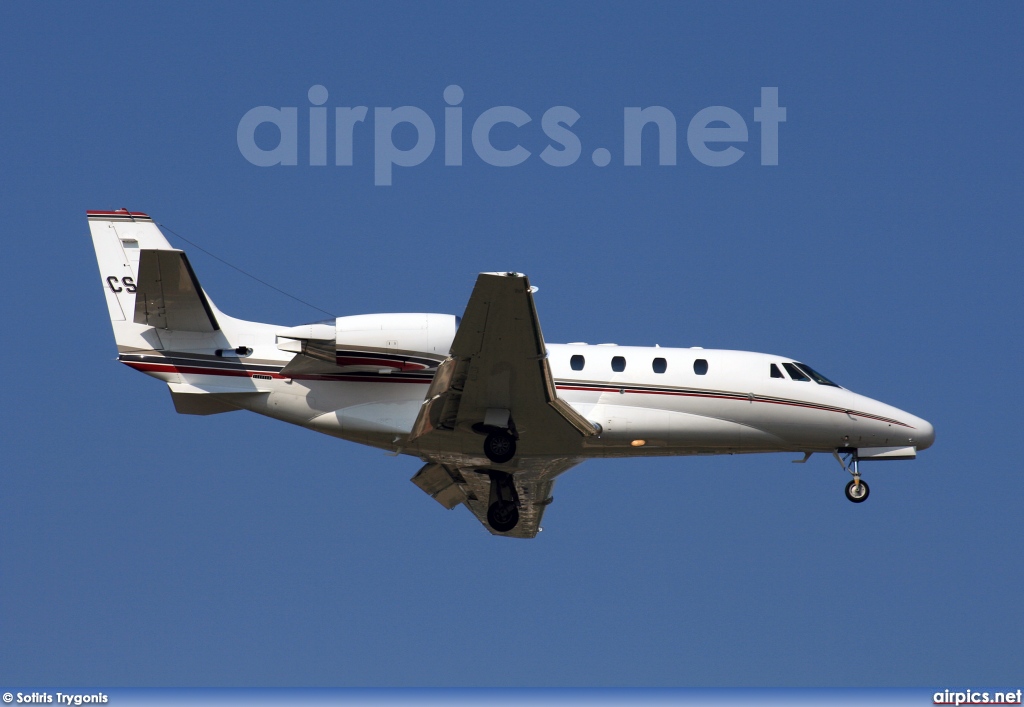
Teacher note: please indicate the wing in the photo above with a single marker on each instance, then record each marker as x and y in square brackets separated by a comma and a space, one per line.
[497, 376]
[450, 486]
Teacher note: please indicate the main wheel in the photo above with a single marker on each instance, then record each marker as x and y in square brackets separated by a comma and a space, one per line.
[500, 446]
[857, 493]
[503, 516]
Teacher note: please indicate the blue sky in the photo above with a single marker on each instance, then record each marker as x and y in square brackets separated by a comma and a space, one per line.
[140, 547]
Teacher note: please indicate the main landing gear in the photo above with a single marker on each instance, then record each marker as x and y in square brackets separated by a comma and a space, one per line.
[503, 503]
[857, 490]
[499, 446]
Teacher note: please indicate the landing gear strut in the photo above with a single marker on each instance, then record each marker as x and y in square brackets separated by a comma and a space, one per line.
[857, 490]
[503, 504]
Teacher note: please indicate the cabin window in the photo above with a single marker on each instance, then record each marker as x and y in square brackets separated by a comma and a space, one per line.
[795, 373]
[577, 362]
[776, 373]
[700, 367]
[659, 365]
[618, 364]
[815, 376]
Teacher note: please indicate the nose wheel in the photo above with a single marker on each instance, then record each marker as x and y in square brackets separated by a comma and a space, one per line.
[857, 490]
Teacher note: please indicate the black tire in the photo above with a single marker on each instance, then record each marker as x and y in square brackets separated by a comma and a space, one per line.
[503, 516]
[864, 491]
[500, 446]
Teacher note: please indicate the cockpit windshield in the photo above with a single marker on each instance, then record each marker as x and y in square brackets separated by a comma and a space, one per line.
[815, 376]
[795, 373]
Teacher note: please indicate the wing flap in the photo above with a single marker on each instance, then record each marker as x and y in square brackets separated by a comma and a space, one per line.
[441, 484]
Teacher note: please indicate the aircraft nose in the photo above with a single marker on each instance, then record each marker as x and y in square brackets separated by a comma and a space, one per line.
[924, 434]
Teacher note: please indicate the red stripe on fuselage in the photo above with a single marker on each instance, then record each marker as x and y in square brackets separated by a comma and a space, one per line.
[732, 396]
[398, 363]
[170, 368]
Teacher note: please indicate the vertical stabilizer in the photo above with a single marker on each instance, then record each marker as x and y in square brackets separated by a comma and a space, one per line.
[148, 285]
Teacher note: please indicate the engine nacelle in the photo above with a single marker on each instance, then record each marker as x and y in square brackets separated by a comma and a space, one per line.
[405, 342]
[422, 333]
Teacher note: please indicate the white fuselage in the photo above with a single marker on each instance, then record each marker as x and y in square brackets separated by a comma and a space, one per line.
[645, 400]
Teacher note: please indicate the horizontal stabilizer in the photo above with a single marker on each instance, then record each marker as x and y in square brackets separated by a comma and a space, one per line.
[169, 296]
[206, 399]
[191, 389]
[189, 404]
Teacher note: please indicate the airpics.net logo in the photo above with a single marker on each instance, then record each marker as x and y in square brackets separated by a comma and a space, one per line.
[714, 135]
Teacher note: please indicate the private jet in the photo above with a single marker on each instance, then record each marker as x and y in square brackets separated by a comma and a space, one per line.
[493, 411]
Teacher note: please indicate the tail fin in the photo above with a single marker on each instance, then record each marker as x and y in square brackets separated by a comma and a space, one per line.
[148, 285]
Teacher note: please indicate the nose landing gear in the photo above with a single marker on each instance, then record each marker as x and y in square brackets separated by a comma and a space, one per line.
[857, 490]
